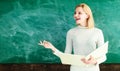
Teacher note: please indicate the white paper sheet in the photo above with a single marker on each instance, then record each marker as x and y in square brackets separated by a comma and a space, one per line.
[71, 59]
[102, 50]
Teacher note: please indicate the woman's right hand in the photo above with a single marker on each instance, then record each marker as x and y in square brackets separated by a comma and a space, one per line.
[47, 44]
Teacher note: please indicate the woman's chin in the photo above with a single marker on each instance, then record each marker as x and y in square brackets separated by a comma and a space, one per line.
[77, 23]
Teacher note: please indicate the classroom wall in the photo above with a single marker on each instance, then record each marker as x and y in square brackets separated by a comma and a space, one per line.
[23, 23]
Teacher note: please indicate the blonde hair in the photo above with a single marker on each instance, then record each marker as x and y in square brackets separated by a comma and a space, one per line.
[88, 11]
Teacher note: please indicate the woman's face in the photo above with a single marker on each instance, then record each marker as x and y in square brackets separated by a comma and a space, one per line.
[80, 16]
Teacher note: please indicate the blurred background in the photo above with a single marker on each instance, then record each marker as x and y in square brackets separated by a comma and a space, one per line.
[23, 23]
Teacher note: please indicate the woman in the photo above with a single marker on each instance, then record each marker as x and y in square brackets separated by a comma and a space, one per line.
[83, 39]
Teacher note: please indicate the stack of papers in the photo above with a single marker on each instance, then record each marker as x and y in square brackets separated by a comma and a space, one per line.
[72, 59]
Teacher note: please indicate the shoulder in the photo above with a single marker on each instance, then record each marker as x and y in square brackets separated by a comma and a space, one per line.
[97, 30]
[72, 30]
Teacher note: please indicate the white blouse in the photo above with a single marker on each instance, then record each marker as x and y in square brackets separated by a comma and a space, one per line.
[83, 41]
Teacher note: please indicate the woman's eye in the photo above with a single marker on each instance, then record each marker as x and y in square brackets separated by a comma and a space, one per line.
[74, 12]
[79, 12]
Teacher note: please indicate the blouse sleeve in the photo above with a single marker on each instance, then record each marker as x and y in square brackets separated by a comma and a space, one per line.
[68, 48]
[100, 42]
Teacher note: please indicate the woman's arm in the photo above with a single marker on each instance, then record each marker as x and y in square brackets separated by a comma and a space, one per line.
[47, 44]
[101, 59]
[92, 60]
[100, 42]
[68, 48]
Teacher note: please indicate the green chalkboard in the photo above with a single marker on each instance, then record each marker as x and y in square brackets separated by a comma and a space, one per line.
[24, 22]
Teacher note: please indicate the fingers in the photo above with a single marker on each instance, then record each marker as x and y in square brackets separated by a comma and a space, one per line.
[91, 60]
[40, 43]
[43, 43]
[85, 61]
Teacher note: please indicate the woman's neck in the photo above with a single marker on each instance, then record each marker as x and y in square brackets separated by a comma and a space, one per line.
[84, 24]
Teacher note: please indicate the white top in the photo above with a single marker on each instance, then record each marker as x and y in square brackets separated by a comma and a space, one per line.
[83, 41]
[73, 59]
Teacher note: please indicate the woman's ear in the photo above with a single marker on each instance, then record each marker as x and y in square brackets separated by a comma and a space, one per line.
[87, 16]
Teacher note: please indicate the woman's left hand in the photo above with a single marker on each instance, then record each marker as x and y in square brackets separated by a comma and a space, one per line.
[91, 60]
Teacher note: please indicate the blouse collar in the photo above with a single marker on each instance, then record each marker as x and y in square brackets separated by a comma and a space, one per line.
[82, 27]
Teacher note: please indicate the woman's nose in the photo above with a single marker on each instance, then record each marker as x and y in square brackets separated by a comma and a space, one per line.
[75, 15]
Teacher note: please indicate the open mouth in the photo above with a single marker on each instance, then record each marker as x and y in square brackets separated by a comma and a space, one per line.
[77, 19]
